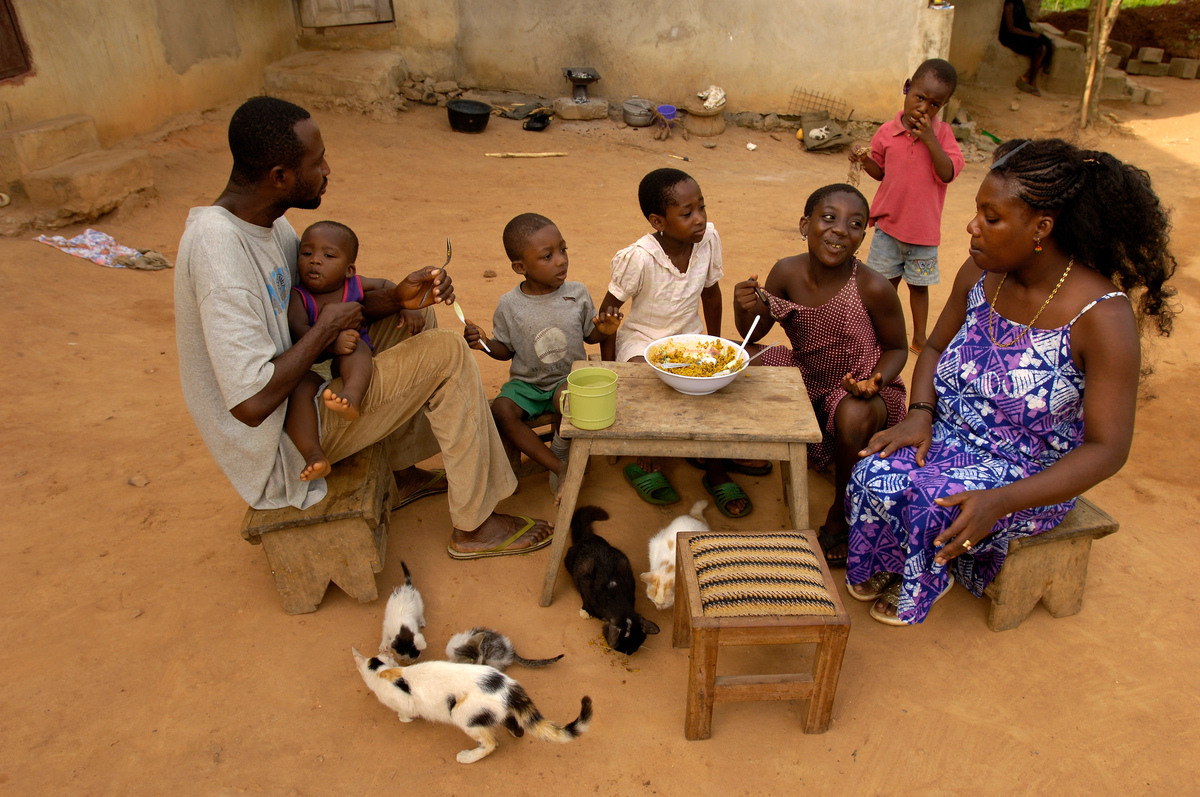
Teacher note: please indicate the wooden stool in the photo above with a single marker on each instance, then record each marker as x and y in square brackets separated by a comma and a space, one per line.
[770, 588]
[1050, 567]
[341, 539]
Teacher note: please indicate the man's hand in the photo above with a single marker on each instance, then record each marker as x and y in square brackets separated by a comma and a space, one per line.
[413, 287]
[346, 343]
[340, 316]
[607, 320]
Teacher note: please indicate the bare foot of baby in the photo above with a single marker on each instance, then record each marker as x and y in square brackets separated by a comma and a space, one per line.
[317, 467]
[342, 405]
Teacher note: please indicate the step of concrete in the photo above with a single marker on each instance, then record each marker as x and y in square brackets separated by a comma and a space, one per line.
[91, 184]
[31, 147]
[359, 76]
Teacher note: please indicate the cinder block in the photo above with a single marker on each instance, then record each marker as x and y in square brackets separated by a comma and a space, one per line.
[1155, 70]
[1155, 96]
[364, 75]
[1121, 48]
[1113, 60]
[1151, 55]
[1184, 68]
[92, 183]
[36, 146]
[567, 108]
[1113, 87]
[1137, 93]
[1134, 67]
[1078, 36]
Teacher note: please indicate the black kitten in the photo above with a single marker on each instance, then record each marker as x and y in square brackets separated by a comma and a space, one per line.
[605, 581]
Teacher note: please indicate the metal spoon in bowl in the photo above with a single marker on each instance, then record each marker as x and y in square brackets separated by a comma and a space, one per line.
[747, 365]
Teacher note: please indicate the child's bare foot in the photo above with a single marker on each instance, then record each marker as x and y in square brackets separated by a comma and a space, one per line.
[558, 478]
[317, 467]
[342, 405]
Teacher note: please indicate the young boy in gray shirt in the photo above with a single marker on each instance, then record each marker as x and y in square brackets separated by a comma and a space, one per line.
[541, 326]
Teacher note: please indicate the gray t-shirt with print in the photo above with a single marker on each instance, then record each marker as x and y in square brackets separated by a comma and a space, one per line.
[232, 283]
[545, 333]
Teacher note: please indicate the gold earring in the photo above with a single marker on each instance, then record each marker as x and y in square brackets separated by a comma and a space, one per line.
[1037, 244]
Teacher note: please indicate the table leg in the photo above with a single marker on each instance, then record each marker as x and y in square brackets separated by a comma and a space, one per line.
[577, 463]
[796, 485]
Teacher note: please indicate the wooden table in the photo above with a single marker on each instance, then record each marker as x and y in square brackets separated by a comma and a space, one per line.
[763, 414]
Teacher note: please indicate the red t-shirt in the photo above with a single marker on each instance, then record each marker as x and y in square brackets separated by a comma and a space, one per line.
[908, 205]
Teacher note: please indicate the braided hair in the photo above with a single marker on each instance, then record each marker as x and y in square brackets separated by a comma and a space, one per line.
[1108, 216]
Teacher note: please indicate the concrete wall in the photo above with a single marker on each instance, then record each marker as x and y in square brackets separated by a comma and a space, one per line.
[759, 51]
[133, 64]
[976, 23]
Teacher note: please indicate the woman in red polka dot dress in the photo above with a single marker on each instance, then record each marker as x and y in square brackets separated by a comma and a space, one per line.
[848, 339]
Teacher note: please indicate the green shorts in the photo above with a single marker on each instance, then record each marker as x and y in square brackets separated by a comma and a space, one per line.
[530, 398]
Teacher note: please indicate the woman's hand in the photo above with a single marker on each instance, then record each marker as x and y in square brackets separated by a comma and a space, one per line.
[979, 510]
[915, 430]
[862, 388]
[346, 342]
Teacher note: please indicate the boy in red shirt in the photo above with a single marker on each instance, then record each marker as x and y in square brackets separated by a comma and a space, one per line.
[915, 156]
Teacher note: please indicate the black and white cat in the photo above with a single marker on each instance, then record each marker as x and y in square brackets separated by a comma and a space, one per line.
[475, 698]
[402, 620]
[485, 646]
[605, 581]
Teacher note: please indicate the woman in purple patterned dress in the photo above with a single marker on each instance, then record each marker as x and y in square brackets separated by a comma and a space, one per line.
[995, 445]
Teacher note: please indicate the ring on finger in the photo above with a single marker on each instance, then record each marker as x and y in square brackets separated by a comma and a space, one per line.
[966, 544]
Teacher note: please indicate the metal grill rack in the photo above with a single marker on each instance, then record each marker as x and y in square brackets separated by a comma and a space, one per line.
[805, 101]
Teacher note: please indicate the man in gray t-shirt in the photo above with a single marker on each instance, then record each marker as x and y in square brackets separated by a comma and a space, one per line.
[238, 363]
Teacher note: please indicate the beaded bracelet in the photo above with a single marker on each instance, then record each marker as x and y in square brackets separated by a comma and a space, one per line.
[923, 405]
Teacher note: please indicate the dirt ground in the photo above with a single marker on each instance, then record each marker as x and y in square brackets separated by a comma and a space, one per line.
[146, 650]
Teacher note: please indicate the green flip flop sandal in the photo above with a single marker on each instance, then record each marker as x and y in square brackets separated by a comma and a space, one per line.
[652, 486]
[724, 493]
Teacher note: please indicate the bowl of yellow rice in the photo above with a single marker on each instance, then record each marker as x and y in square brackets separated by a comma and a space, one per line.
[711, 362]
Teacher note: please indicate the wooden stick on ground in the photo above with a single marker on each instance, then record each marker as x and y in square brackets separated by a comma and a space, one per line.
[526, 154]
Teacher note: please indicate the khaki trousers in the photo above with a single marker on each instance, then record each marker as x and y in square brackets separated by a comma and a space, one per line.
[425, 396]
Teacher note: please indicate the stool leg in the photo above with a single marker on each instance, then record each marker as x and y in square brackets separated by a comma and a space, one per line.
[681, 630]
[702, 678]
[826, 669]
[1064, 594]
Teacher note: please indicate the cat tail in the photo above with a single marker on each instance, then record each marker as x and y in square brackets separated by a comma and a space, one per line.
[582, 520]
[697, 511]
[535, 663]
[407, 575]
[530, 719]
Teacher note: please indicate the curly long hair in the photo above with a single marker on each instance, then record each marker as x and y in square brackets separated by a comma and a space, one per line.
[1108, 217]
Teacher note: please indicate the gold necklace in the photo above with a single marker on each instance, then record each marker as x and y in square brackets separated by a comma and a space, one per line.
[992, 309]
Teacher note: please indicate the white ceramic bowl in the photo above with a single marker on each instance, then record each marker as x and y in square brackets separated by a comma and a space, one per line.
[694, 385]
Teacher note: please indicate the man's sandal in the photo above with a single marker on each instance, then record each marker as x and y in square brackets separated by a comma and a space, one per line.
[652, 486]
[437, 484]
[876, 585]
[503, 548]
[733, 466]
[726, 493]
[830, 540]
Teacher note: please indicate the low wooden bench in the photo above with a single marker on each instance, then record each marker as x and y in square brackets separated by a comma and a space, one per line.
[341, 539]
[1050, 567]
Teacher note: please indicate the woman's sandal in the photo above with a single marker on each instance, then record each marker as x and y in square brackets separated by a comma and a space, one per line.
[830, 540]
[891, 596]
[733, 466]
[876, 586]
[726, 493]
[652, 486]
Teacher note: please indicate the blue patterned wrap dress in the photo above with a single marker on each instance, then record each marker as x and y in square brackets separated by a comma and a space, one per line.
[1003, 414]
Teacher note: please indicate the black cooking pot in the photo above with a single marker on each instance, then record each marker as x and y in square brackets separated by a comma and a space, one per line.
[468, 116]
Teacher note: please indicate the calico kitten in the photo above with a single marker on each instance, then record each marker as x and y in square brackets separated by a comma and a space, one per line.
[604, 578]
[402, 621]
[475, 698]
[485, 646]
[660, 580]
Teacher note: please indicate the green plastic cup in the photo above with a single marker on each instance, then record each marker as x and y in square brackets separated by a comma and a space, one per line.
[590, 400]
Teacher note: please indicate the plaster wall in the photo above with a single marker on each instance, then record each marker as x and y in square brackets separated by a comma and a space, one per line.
[759, 51]
[133, 64]
[976, 23]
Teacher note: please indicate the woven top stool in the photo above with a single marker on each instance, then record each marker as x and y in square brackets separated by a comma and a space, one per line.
[769, 588]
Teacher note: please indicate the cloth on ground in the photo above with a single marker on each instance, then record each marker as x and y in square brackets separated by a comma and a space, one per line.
[102, 249]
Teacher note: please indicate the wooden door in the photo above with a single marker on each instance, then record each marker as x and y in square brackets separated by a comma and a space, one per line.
[14, 57]
[330, 13]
